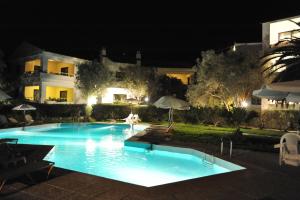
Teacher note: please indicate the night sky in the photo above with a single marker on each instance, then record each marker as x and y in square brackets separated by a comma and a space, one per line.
[170, 35]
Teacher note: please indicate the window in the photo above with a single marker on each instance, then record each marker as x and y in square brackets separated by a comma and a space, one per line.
[63, 95]
[36, 95]
[37, 68]
[119, 98]
[64, 71]
[288, 35]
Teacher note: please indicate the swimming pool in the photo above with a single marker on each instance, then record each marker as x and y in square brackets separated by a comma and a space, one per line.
[99, 149]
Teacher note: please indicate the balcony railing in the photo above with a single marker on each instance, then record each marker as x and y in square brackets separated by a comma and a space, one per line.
[36, 72]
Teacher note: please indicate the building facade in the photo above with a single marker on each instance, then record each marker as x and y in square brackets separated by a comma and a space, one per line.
[49, 77]
[277, 33]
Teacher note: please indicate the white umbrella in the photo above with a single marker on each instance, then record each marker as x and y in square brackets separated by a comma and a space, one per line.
[287, 86]
[24, 107]
[171, 103]
[4, 96]
[293, 97]
[266, 93]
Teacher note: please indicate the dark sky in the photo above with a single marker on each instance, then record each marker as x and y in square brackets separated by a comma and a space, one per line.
[171, 34]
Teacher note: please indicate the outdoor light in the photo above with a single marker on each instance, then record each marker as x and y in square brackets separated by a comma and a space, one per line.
[244, 104]
[147, 99]
[92, 100]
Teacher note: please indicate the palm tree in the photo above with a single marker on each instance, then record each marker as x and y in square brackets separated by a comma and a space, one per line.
[282, 62]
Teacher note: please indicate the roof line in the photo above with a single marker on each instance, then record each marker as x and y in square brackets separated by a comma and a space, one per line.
[277, 20]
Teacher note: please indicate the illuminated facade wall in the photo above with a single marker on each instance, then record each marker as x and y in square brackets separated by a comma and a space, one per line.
[54, 93]
[111, 94]
[29, 65]
[54, 67]
[30, 93]
[185, 78]
[273, 31]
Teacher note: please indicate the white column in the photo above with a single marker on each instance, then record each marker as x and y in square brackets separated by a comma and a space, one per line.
[44, 63]
[42, 92]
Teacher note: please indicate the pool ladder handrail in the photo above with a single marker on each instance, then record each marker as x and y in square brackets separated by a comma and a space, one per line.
[205, 159]
[230, 147]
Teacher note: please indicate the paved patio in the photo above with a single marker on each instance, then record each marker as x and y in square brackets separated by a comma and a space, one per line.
[263, 179]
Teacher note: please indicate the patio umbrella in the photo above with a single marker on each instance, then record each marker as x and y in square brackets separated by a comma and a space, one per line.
[287, 86]
[293, 97]
[264, 92]
[24, 108]
[171, 103]
[4, 96]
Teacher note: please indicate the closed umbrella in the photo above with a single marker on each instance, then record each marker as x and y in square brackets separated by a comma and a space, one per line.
[4, 96]
[171, 103]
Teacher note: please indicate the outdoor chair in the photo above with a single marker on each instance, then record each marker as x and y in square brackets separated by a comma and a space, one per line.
[3, 121]
[13, 121]
[14, 165]
[289, 149]
[28, 119]
[160, 128]
[25, 169]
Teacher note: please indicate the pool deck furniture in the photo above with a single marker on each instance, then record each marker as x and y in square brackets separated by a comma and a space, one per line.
[160, 128]
[8, 140]
[26, 169]
[289, 149]
[14, 122]
[28, 119]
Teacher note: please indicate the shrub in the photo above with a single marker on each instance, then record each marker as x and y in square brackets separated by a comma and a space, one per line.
[58, 110]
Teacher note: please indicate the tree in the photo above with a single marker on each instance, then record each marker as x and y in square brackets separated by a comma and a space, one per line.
[137, 80]
[164, 85]
[225, 79]
[92, 78]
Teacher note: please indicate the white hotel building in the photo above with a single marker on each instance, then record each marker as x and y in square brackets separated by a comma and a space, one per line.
[51, 78]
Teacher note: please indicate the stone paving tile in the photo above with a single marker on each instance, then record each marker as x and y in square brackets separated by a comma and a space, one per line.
[72, 181]
[46, 191]
[21, 196]
[145, 197]
[114, 194]
[94, 189]
[75, 196]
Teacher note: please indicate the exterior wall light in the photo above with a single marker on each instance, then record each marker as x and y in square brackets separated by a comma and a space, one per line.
[244, 104]
[91, 100]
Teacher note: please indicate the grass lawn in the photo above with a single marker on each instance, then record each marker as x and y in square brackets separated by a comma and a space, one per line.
[254, 139]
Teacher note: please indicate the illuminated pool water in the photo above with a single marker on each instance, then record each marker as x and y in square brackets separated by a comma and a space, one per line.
[99, 149]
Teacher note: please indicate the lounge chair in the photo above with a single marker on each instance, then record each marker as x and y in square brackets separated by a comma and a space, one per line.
[136, 119]
[3, 121]
[28, 119]
[289, 149]
[26, 169]
[13, 121]
[160, 128]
